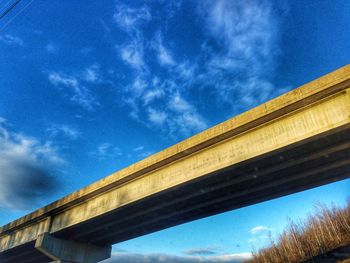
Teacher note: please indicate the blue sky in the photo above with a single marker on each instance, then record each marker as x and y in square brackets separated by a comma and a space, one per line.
[87, 88]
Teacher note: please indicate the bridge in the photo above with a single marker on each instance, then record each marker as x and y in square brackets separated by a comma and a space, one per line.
[294, 142]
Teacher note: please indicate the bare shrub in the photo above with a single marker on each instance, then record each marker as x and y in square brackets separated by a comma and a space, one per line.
[322, 232]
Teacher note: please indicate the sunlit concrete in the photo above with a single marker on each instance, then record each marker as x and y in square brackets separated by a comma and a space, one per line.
[61, 250]
[294, 142]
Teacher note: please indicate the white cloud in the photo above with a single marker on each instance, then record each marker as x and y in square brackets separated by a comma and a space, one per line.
[79, 93]
[159, 100]
[138, 86]
[186, 117]
[152, 95]
[247, 35]
[132, 54]
[259, 229]
[139, 148]
[106, 151]
[91, 74]
[260, 236]
[65, 130]
[187, 122]
[129, 19]
[68, 81]
[163, 106]
[200, 251]
[157, 258]
[186, 70]
[179, 104]
[246, 30]
[163, 54]
[51, 48]
[84, 98]
[156, 117]
[11, 40]
[24, 165]
[141, 152]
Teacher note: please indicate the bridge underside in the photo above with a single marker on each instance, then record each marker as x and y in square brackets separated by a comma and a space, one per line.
[310, 163]
[24, 254]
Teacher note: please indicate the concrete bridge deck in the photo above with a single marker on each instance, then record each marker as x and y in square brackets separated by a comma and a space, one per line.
[295, 142]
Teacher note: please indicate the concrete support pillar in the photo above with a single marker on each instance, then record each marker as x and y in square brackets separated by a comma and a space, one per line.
[69, 251]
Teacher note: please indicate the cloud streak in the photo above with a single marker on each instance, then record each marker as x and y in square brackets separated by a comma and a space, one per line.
[200, 251]
[11, 40]
[259, 229]
[63, 130]
[163, 54]
[129, 19]
[78, 92]
[106, 151]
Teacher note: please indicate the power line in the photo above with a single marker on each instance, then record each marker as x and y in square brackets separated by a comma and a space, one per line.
[16, 15]
[8, 10]
[5, 6]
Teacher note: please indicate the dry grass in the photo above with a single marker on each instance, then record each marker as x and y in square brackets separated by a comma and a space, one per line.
[325, 231]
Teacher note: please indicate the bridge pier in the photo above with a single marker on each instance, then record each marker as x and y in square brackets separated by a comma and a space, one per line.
[69, 251]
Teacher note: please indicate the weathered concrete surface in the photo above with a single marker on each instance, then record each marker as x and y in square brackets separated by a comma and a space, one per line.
[61, 250]
[294, 142]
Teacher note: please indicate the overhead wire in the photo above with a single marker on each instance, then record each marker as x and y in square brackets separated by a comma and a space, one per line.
[16, 15]
[5, 6]
[8, 10]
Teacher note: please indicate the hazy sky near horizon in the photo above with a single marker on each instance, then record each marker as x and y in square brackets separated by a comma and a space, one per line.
[89, 87]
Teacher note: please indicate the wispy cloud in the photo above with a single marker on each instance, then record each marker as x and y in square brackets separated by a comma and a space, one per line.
[247, 34]
[63, 130]
[163, 105]
[25, 163]
[186, 117]
[92, 74]
[11, 40]
[163, 54]
[157, 117]
[139, 148]
[52, 48]
[186, 70]
[259, 229]
[132, 54]
[235, 64]
[151, 98]
[106, 151]
[200, 251]
[260, 235]
[129, 19]
[79, 93]
[152, 95]
[157, 258]
[141, 152]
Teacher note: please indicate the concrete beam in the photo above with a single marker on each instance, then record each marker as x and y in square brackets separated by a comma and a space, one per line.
[64, 251]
